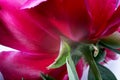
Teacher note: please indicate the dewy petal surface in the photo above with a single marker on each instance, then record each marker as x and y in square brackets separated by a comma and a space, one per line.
[25, 30]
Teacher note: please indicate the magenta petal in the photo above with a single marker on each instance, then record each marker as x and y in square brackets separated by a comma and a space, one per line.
[80, 68]
[15, 65]
[110, 55]
[115, 19]
[70, 17]
[31, 3]
[22, 31]
[114, 22]
[101, 11]
[8, 39]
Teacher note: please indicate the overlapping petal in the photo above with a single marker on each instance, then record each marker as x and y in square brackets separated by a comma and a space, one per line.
[26, 32]
[18, 65]
[79, 20]
[69, 17]
[101, 11]
[110, 55]
[114, 21]
[31, 3]
[36, 28]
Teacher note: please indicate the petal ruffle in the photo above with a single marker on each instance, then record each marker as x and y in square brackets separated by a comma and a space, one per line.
[31, 3]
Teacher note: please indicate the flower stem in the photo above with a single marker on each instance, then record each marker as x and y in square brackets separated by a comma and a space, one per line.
[87, 53]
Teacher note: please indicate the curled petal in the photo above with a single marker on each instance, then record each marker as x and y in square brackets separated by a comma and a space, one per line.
[31, 3]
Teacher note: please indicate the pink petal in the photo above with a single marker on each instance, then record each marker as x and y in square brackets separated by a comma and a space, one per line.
[115, 19]
[101, 11]
[80, 68]
[114, 22]
[22, 31]
[70, 17]
[110, 55]
[18, 65]
[31, 3]
[17, 3]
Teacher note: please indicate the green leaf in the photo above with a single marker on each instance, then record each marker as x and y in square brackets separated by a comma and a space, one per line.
[63, 54]
[46, 77]
[105, 73]
[109, 47]
[86, 49]
[71, 69]
[113, 40]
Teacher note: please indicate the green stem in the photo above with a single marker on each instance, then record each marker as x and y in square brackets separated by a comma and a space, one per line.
[85, 49]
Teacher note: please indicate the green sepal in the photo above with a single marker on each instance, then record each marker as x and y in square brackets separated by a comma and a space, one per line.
[109, 47]
[112, 40]
[71, 69]
[46, 77]
[63, 54]
[106, 74]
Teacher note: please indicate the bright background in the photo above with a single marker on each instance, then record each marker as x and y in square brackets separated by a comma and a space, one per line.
[114, 66]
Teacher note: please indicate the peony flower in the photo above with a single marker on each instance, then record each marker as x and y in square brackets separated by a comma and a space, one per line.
[35, 29]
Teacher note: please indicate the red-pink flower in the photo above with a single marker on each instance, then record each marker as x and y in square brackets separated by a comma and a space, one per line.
[35, 28]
